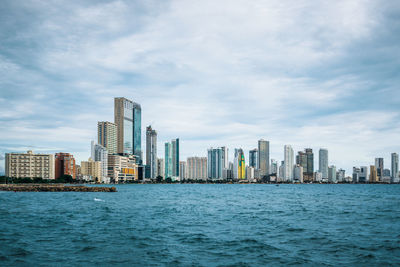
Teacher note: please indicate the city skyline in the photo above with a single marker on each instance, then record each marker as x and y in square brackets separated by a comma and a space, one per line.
[305, 84]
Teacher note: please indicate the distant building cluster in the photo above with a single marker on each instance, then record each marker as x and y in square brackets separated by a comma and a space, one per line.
[117, 157]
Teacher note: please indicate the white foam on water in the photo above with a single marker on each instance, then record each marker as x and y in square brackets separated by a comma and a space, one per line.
[98, 199]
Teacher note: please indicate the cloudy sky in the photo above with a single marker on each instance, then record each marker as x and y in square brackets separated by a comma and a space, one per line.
[213, 73]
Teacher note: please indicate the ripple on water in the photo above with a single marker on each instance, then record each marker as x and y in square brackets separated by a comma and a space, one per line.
[204, 225]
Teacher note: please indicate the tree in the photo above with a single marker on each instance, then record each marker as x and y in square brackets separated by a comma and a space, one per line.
[65, 179]
[168, 180]
[159, 179]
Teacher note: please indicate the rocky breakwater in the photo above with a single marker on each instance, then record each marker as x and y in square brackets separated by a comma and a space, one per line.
[54, 188]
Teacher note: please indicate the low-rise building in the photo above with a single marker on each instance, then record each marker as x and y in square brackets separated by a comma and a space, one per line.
[30, 165]
[93, 169]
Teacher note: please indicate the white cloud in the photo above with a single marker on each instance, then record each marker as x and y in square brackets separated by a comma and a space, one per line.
[211, 72]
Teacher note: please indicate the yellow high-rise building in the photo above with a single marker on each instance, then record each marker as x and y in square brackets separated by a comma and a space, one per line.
[373, 177]
[241, 165]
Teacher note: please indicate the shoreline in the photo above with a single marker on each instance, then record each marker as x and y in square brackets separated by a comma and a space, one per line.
[54, 188]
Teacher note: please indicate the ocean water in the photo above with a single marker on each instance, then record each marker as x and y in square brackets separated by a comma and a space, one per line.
[203, 225]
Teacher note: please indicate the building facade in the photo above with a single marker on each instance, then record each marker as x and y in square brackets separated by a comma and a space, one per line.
[197, 168]
[215, 163]
[168, 161]
[263, 157]
[100, 153]
[332, 174]
[128, 118]
[323, 163]
[241, 165]
[253, 158]
[182, 170]
[160, 167]
[93, 169]
[395, 166]
[306, 160]
[122, 169]
[175, 157]
[373, 176]
[151, 151]
[379, 168]
[289, 163]
[64, 165]
[298, 173]
[29, 165]
[107, 136]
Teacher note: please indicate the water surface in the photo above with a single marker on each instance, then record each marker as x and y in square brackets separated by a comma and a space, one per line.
[203, 225]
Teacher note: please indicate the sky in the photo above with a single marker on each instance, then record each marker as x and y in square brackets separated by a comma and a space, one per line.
[213, 73]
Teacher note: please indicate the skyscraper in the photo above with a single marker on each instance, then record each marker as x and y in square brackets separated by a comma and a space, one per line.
[197, 168]
[168, 160]
[151, 151]
[395, 166]
[289, 163]
[225, 159]
[332, 174]
[216, 162]
[100, 153]
[263, 157]
[306, 160]
[182, 170]
[363, 177]
[236, 164]
[379, 168]
[241, 165]
[107, 136]
[160, 168]
[274, 167]
[175, 157]
[253, 158]
[323, 163]
[373, 177]
[128, 117]
[298, 173]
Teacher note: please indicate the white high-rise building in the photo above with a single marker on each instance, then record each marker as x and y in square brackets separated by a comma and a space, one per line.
[289, 163]
[274, 167]
[332, 174]
[236, 164]
[182, 170]
[323, 163]
[100, 153]
[281, 174]
[298, 173]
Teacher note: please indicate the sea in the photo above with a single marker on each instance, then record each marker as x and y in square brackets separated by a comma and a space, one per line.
[203, 225]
